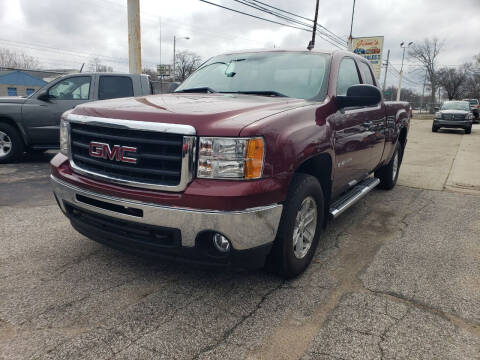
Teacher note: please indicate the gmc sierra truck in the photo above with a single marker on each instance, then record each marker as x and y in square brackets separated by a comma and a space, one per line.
[242, 165]
[32, 123]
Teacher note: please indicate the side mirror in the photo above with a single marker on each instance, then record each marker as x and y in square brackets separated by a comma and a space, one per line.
[43, 96]
[359, 95]
[436, 108]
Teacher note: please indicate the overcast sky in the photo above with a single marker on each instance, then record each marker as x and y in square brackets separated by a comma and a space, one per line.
[64, 34]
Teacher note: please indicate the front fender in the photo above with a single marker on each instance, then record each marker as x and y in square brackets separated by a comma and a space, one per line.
[292, 138]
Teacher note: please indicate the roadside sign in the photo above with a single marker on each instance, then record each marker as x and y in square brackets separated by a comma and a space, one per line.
[164, 69]
[371, 49]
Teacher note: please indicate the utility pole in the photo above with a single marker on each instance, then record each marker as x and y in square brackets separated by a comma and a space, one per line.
[350, 38]
[134, 41]
[423, 92]
[311, 44]
[386, 71]
[174, 41]
[160, 41]
[402, 45]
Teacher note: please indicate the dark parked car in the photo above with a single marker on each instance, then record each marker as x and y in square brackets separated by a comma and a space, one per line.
[475, 107]
[454, 114]
[242, 165]
[32, 123]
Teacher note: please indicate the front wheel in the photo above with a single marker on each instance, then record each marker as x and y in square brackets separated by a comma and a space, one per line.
[11, 144]
[388, 174]
[468, 130]
[299, 228]
[434, 129]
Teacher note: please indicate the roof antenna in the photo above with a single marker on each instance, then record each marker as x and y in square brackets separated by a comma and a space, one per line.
[311, 44]
[81, 68]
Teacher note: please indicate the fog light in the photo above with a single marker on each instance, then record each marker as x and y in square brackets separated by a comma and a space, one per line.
[221, 243]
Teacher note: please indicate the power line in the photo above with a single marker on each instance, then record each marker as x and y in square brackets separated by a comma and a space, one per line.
[289, 19]
[302, 17]
[268, 20]
[328, 33]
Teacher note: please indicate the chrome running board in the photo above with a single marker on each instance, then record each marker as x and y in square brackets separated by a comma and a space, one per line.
[353, 196]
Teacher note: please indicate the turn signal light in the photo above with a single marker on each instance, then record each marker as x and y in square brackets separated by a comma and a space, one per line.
[254, 158]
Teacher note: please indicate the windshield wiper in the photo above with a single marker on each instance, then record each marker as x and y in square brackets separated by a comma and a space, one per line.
[204, 89]
[261, 93]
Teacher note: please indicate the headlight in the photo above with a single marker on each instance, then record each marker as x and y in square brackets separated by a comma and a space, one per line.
[230, 158]
[469, 116]
[438, 115]
[64, 137]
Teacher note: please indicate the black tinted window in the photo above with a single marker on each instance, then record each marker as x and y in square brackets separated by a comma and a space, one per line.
[111, 87]
[366, 73]
[347, 76]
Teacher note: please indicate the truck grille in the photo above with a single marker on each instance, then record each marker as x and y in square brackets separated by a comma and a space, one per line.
[453, 117]
[158, 155]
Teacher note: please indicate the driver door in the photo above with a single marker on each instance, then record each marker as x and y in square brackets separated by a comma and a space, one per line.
[42, 118]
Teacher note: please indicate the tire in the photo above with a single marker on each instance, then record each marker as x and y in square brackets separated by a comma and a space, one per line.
[388, 174]
[434, 129]
[287, 259]
[468, 130]
[11, 144]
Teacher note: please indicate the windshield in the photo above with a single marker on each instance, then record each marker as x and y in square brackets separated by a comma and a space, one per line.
[456, 105]
[292, 74]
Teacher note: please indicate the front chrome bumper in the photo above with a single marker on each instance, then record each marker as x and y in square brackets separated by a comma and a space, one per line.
[245, 229]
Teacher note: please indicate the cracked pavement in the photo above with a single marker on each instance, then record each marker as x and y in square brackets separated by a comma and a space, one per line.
[396, 277]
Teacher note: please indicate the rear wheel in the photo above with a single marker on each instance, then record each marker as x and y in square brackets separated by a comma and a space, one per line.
[388, 174]
[299, 228]
[11, 144]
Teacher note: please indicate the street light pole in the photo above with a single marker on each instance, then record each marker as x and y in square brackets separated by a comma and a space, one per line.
[174, 45]
[402, 45]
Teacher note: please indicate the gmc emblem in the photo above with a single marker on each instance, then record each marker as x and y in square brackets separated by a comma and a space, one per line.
[117, 152]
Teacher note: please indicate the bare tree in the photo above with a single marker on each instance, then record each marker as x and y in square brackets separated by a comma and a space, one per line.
[427, 53]
[19, 60]
[96, 65]
[186, 62]
[453, 80]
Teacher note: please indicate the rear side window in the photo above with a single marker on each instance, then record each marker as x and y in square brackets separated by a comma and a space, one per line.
[347, 76]
[111, 87]
[366, 73]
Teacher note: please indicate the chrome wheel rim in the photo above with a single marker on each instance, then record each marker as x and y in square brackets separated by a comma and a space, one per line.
[5, 144]
[395, 165]
[305, 226]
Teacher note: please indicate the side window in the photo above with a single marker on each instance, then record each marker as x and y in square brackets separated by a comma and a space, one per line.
[366, 73]
[12, 91]
[74, 88]
[347, 76]
[111, 87]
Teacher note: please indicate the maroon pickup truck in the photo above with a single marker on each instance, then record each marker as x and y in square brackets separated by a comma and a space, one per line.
[242, 165]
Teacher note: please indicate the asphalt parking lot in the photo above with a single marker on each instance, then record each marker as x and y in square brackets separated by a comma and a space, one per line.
[396, 277]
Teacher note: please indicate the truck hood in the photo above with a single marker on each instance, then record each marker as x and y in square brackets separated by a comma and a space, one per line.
[210, 114]
[12, 100]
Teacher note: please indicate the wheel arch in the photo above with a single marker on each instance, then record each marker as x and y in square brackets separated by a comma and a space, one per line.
[320, 167]
[8, 120]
